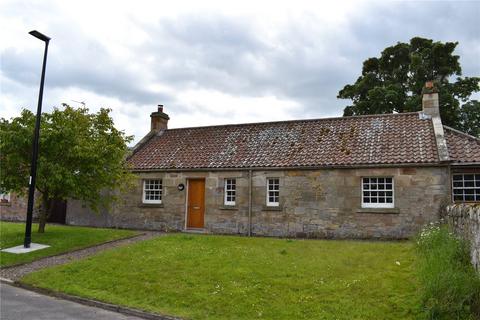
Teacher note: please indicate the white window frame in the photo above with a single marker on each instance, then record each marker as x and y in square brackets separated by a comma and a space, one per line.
[157, 201]
[228, 188]
[273, 203]
[6, 196]
[385, 204]
[476, 187]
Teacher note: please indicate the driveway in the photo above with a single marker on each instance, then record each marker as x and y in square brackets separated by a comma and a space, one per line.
[17, 303]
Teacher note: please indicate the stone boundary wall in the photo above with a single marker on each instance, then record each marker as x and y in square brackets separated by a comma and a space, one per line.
[465, 221]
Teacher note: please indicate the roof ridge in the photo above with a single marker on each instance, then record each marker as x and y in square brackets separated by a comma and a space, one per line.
[301, 120]
[461, 132]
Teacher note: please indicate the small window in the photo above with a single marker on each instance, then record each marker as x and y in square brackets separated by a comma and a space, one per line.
[273, 192]
[230, 192]
[4, 197]
[466, 187]
[152, 191]
[377, 192]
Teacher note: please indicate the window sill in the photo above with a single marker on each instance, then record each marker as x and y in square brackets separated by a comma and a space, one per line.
[224, 207]
[272, 208]
[150, 205]
[467, 202]
[379, 210]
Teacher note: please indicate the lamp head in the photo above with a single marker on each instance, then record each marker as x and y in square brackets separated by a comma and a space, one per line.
[39, 35]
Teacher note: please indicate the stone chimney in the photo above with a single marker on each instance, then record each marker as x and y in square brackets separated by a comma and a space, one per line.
[159, 120]
[431, 109]
[430, 101]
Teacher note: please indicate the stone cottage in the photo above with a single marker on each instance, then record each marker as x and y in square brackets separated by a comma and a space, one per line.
[376, 176]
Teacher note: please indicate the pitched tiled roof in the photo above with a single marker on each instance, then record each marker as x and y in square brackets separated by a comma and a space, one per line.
[347, 141]
[462, 148]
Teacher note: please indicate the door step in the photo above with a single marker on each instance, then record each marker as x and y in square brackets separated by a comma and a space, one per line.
[195, 230]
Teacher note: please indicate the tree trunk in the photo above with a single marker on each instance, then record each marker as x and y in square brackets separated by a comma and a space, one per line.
[44, 213]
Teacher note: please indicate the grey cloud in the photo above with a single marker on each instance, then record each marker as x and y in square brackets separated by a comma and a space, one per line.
[307, 65]
[77, 60]
[217, 53]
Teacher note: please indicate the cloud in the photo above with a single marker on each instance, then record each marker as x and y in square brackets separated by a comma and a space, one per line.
[213, 63]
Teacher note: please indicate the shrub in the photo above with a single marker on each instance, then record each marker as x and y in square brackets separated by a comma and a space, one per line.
[450, 284]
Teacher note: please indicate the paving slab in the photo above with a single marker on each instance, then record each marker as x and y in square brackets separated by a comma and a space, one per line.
[21, 249]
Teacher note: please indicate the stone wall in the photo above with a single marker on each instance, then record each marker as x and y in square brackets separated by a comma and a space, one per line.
[465, 221]
[15, 210]
[322, 203]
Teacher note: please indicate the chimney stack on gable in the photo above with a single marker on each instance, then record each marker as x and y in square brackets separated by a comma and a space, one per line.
[159, 120]
[431, 108]
[430, 101]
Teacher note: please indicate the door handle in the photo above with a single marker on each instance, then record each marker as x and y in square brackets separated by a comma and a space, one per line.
[196, 208]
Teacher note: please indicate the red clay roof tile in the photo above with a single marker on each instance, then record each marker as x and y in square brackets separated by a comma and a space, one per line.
[462, 148]
[347, 141]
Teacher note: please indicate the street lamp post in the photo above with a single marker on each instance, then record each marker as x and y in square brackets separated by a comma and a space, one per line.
[33, 168]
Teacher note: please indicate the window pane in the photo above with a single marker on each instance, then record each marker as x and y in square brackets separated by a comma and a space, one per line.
[366, 200]
[152, 190]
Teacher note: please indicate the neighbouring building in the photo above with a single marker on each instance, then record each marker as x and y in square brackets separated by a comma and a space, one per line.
[376, 176]
[13, 207]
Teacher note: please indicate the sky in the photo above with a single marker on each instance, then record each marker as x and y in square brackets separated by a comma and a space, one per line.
[212, 62]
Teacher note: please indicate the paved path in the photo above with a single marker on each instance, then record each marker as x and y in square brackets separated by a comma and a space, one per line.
[17, 303]
[15, 273]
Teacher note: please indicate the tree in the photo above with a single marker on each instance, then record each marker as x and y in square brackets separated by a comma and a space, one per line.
[394, 82]
[80, 155]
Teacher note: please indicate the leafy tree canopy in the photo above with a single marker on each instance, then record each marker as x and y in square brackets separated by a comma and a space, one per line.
[80, 154]
[394, 81]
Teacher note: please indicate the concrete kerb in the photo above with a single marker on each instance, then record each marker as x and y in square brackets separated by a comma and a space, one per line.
[91, 302]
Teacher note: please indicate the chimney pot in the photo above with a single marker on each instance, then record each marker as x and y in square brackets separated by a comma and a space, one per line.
[160, 108]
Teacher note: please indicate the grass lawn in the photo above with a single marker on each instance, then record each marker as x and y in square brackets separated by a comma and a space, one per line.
[224, 277]
[60, 238]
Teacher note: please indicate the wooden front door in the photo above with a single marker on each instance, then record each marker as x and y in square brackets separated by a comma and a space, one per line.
[196, 203]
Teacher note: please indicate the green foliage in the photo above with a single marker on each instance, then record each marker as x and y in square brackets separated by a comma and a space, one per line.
[470, 118]
[394, 81]
[450, 285]
[80, 154]
[60, 239]
[225, 277]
